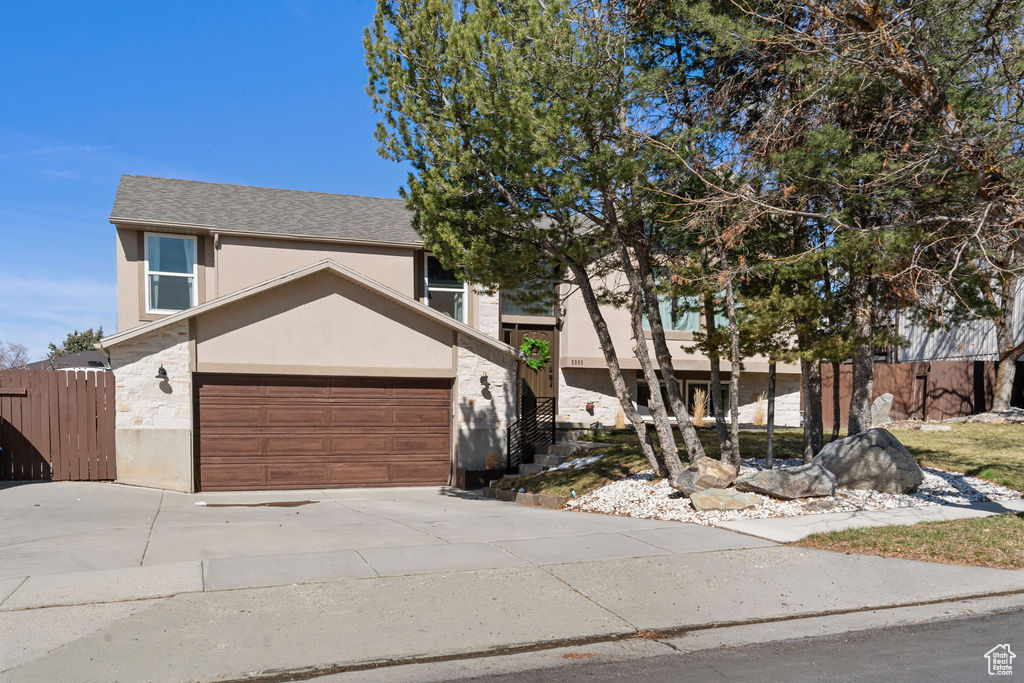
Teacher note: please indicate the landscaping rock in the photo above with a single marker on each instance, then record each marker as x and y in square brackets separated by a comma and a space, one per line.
[787, 483]
[881, 409]
[823, 505]
[724, 499]
[706, 473]
[874, 459]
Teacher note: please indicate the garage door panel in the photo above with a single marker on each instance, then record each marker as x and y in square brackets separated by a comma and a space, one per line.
[413, 472]
[218, 476]
[361, 416]
[361, 443]
[358, 473]
[286, 475]
[421, 444]
[228, 415]
[297, 444]
[299, 391]
[283, 432]
[217, 445]
[424, 393]
[288, 416]
[414, 416]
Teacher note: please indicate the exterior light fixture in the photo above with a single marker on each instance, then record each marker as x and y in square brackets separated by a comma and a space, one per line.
[161, 374]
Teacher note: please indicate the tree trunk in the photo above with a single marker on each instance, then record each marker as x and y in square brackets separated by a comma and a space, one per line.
[614, 370]
[669, 451]
[769, 452]
[642, 278]
[863, 375]
[1008, 347]
[715, 389]
[837, 421]
[734, 376]
[810, 375]
[862, 382]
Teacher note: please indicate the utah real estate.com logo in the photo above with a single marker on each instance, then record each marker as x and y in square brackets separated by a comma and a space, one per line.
[1000, 660]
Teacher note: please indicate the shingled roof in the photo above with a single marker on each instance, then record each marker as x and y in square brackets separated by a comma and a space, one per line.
[264, 210]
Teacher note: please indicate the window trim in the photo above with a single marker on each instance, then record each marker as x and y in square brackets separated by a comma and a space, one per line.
[194, 275]
[643, 408]
[711, 406]
[427, 287]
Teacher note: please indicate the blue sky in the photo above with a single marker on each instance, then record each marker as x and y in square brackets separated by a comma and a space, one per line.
[255, 93]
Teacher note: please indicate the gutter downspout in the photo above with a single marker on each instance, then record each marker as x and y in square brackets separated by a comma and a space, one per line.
[216, 265]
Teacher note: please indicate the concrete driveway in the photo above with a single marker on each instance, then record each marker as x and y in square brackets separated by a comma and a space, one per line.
[59, 527]
[146, 585]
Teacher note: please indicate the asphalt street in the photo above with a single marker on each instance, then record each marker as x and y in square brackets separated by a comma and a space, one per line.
[938, 651]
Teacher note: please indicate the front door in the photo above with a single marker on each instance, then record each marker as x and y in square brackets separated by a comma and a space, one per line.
[541, 382]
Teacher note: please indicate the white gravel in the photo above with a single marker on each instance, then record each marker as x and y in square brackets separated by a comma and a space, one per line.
[642, 495]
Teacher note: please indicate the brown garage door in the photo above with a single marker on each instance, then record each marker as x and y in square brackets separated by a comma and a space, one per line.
[282, 432]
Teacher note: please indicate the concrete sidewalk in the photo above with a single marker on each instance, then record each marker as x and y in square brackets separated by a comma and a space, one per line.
[203, 633]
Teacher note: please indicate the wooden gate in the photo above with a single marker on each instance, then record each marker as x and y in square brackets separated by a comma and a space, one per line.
[56, 424]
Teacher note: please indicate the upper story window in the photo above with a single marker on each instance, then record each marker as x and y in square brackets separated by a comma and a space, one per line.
[534, 298]
[683, 314]
[170, 273]
[678, 313]
[445, 291]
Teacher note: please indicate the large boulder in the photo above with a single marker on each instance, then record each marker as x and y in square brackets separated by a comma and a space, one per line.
[787, 483]
[881, 409]
[874, 459]
[724, 499]
[706, 473]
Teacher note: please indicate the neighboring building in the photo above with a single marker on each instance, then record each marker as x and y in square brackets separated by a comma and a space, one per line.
[82, 360]
[974, 340]
[277, 339]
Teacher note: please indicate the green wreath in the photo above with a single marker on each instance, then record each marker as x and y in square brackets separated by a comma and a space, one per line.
[537, 352]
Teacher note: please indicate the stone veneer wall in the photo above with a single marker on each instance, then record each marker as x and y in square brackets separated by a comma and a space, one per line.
[488, 318]
[143, 402]
[577, 387]
[787, 397]
[483, 412]
[153, 425]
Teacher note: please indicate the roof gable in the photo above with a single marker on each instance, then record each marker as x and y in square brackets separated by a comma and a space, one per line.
[324, 266]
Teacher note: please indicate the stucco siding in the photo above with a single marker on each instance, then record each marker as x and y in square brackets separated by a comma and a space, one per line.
[244, 261]
[322, 324]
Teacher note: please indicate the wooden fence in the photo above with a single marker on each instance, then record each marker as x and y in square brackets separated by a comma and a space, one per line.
[56, 424]
[933, 390]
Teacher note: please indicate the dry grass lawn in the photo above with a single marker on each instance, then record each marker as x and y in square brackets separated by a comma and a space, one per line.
[985, 542]
[989, 451]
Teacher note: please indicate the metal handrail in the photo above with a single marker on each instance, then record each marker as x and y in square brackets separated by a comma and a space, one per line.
[525, 436]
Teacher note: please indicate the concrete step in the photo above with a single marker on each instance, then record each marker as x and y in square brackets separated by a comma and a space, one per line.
[565, 449]
[530, 468]
[550, 460]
